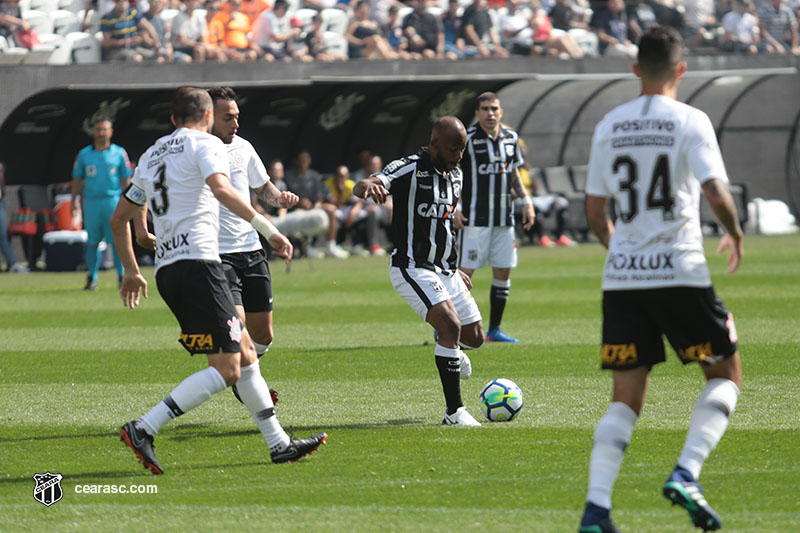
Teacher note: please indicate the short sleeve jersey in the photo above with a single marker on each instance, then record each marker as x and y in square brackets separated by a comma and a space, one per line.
[343, 197]
[171, 179]
[123, 26]
[246, 172]
[487, 164]
[651, 155]
[101, 171]
[193, 27]
[422, 219]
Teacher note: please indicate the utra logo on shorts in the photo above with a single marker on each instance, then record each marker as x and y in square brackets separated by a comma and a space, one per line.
[48, 488]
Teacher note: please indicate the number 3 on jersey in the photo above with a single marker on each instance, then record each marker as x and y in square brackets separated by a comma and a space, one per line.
[160, 206]
[659, 195]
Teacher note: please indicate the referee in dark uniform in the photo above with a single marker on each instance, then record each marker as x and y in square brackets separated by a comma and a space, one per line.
[491, 182]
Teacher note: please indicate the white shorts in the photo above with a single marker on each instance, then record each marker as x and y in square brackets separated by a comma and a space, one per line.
[487, 245]
[422, 289]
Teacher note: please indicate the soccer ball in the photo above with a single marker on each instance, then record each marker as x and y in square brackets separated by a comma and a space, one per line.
[501, 400]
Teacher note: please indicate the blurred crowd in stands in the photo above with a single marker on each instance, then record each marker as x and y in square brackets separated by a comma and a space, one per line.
[339, 30]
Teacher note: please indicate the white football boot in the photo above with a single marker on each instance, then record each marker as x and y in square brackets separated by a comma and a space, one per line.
[466, 366]
[460, 418]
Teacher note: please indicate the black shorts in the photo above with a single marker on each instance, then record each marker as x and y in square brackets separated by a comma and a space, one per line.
[249, 280]
[197, 293]
[694, 320]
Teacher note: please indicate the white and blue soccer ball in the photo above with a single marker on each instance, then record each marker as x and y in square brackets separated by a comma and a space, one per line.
[501, 400]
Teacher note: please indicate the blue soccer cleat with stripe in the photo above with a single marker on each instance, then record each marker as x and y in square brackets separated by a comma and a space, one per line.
[681, 489]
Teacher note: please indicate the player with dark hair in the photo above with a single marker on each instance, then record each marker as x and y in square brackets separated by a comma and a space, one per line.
[491, 181]
[184, 179]
[653, 156]
[243, 259]
[426, 187]
[100, 173]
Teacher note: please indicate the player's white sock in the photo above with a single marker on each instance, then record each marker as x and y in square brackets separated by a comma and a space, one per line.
[261, 349]
[709, 421]
[254, 392]
[192, 391]
[611, 437]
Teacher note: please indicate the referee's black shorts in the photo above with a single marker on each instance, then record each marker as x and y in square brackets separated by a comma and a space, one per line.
[197, 293]
[694, 320]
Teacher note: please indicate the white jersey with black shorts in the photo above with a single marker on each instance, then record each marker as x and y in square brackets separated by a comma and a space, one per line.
[243, 258]
[487, 201]
[171, 179]
[423, 267]
[651, 156]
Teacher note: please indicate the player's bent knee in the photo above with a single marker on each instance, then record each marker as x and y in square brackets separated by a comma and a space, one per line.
[228, 364]
[229, 373]
[472, 335]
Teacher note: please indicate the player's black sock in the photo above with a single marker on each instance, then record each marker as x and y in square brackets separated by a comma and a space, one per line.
[451, 382]
[498, 296]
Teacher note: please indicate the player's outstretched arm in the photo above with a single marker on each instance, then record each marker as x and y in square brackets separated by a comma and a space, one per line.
[371, 187]
[721, 203]
[598, 219]
[224, 192]
[132, 280]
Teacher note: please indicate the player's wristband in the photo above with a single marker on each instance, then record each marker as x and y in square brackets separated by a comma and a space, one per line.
[527, 201]
[264, 226]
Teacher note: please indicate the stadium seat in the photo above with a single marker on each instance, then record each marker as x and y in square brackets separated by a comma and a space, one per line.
[86, 48]
[578, 174]
[60, 52]
[294, 5]
[73, 5]
[94, 21]
[557, 180]
[334, 20]
[335, 42]
[306, 15]
[64, 22]
[539, 188]
[39, 55]
[39, 21]
[45, 6]
[11, 55]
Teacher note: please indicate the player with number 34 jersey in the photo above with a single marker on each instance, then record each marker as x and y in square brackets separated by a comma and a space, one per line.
[651, 155]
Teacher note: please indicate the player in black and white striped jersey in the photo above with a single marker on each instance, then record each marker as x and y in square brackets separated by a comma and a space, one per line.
[426, 187]
[486, 218]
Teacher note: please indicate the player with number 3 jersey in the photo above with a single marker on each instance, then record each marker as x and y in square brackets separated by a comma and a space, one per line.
[183, 178]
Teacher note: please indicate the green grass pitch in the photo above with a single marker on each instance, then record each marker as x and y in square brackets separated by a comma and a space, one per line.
[352, 359]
